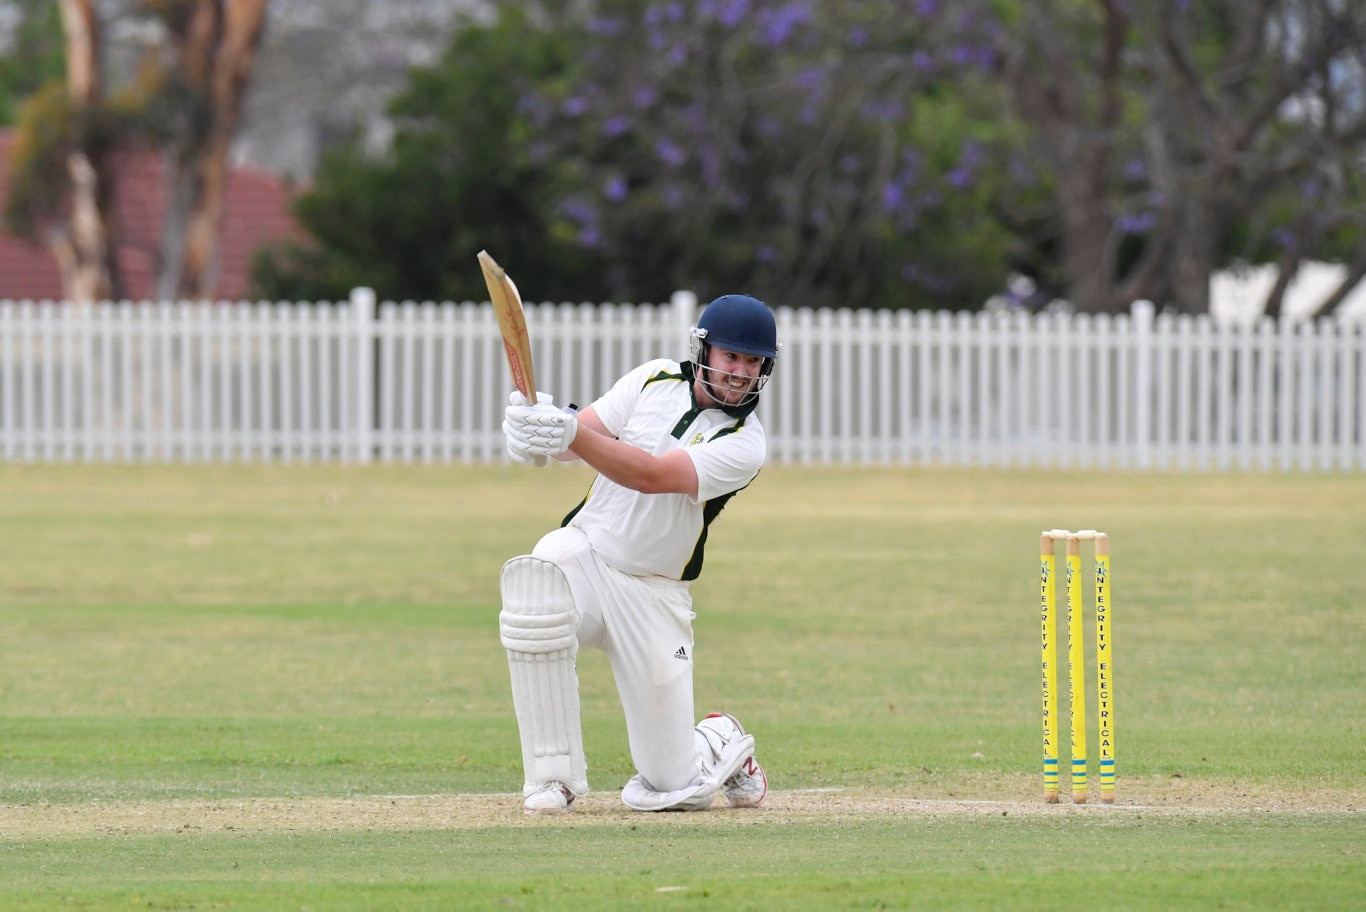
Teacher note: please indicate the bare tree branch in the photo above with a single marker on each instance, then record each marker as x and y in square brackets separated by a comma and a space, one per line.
[85, 245]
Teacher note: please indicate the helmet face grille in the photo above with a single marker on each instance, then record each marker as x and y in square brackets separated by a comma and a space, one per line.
[717, 383]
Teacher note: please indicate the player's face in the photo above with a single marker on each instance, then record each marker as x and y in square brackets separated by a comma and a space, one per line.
[731, 375]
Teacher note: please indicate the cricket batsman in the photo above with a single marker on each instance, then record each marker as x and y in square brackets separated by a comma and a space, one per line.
[672, 444]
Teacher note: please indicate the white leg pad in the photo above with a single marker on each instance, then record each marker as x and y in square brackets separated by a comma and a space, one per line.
[539, 628]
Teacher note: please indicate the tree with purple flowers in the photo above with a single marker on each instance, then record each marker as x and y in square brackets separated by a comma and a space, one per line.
[1180, 136]
[819, 153]
[813, 153]
[883, 153]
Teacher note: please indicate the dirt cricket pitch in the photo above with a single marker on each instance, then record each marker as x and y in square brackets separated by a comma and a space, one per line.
[436, 812]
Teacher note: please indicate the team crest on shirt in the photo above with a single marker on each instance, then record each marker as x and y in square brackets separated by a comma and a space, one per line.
[696, 439]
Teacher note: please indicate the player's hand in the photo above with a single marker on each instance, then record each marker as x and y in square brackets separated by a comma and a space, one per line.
[515, 398]
[519, 454]
[517, 444]
[540, 429]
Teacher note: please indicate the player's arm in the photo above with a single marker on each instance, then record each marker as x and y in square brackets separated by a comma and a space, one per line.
[629, 466]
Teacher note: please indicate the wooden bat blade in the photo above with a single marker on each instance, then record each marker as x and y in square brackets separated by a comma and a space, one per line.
[507, 307]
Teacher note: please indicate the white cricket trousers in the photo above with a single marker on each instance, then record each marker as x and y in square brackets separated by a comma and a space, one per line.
[644, 626]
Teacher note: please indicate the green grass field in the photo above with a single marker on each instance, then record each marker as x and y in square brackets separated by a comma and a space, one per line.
[265, 687]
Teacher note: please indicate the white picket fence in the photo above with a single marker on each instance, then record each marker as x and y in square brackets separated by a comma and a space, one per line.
[424, 382]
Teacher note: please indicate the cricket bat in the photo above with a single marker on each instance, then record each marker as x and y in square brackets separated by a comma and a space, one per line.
[507, 307]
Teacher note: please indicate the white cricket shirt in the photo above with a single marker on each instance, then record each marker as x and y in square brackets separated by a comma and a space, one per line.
[653, 408]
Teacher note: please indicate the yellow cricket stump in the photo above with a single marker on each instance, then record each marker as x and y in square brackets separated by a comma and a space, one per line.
[1076, 669]
[1076, 663]
[1104, 682]
[1047, 602]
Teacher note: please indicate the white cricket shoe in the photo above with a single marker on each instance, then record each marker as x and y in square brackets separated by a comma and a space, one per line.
[551, 798]
[747, 788]
[747, 785]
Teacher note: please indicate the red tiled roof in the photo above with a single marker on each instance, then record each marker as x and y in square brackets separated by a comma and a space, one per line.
[257, 213]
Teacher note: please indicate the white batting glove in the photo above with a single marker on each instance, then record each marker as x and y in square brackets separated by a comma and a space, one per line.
[517, 448]
[540, 429]
[519, 453]
[516, 398]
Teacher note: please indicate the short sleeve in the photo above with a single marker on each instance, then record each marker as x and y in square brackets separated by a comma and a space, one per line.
[615, 406]
[728, 461]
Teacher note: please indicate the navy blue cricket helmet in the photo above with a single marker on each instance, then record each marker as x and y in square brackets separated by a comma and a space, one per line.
[739, 323]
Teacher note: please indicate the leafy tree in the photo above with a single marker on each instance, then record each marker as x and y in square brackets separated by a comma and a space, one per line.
[186, 99]
[61, 191]
[817, 154]
[459, 177]
[31, 56]
[859, 153]
[825, 154]
[1179, 135]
